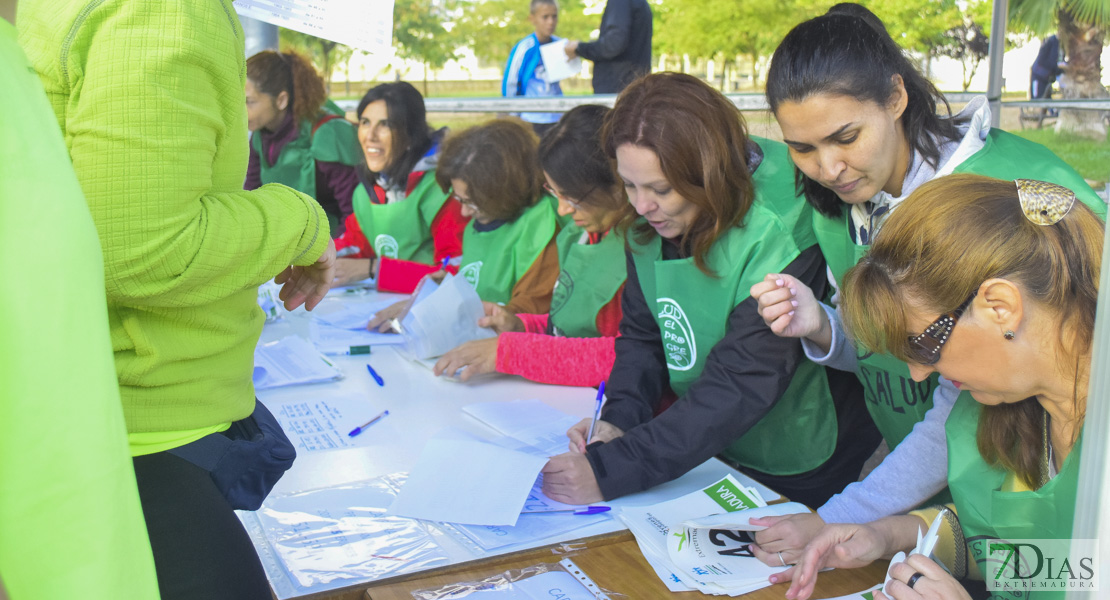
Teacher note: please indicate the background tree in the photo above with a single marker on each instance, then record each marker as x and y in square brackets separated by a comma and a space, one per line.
[1081, 26]
[325, 54]
[969, 41]
[421, 32]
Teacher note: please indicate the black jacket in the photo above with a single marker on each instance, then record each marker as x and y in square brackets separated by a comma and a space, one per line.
[622, 51]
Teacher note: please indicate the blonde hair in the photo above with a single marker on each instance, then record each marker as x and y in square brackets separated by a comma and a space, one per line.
[942, 243]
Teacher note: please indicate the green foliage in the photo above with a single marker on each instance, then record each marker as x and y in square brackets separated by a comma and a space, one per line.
[419, 32]
[1039, 16]
[324, 54]
[492, 27]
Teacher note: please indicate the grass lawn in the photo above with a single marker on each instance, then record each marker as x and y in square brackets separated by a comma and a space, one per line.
[1090, 158]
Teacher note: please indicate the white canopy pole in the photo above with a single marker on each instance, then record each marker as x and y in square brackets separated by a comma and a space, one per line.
[997, 47]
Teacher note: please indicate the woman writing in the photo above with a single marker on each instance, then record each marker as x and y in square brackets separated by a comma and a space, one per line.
[403, 224]
[573, 343]
[863, 131]
[299, 138]
[997, 283]
[710, 212]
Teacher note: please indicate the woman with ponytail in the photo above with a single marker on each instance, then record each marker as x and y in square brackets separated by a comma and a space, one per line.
[299, 138]
[864, 131]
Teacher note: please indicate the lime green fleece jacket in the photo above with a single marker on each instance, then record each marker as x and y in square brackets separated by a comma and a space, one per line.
[149, 96]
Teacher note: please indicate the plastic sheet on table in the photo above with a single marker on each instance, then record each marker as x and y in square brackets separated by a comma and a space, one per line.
[332, 537]
[563, 579]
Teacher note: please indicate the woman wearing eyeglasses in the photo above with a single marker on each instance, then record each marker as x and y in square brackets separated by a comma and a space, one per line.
[863, 131]
[572, 344]
[509, 253]
[403, 224]
[710, 210]
[1001, 280]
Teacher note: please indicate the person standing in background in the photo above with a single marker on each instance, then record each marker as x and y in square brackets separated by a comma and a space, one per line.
[149, 97]
[70, 521]
[525, 74]
[622, 51]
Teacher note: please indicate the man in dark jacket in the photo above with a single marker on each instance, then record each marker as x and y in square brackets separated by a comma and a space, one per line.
[622, 51]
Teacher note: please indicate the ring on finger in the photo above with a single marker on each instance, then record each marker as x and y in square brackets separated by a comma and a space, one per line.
[913, 579]
[783, 561]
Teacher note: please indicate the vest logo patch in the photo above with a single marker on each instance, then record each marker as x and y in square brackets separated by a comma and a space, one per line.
[386, 246]
[678, 336]
[564, 287]
[471, 272]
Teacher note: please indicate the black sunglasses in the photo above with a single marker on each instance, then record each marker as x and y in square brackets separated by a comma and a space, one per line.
[925, 348]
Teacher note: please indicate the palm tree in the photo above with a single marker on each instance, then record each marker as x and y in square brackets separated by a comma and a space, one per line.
[1081, 26]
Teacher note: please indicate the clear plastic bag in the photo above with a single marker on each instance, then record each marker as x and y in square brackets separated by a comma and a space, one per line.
[561, 580]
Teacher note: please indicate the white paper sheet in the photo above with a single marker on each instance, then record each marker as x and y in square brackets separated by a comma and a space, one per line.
[334, 311]
[290, 361]
[545, 586]
[555, 61]
[467, 482]
[323, 424]
[530, 422]
[335, 340]
[363, 24]
[444, 319]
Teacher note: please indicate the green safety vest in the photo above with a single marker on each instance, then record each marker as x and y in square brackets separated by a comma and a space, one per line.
[692, 310]
[987, 512]
[589, 276]
[335, 140]
[402, 230]
[897, 402]
[493, 261]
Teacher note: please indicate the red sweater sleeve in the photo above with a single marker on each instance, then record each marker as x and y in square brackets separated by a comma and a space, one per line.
[353, 236]
[556, 360]
[447, 232]
[609, 317]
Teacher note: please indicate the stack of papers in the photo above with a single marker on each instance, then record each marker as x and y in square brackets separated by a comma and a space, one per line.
[336, 340]
[700, 541]
[290, 361]
[443, 318]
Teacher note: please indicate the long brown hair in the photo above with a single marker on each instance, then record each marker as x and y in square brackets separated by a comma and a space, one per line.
[701, 141]
[497, 160]
[942, 243]
[277, 72]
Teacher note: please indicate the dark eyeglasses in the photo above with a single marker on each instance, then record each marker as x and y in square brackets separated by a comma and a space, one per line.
[925, 348]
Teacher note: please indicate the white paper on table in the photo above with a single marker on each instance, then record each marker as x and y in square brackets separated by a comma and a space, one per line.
[530, 422]
[336, 340]
[355, 288]
[444, 319]
[290, 361]
[555, 61]
[347, 315]
[557, 584]
[323, 424]
[468, 482]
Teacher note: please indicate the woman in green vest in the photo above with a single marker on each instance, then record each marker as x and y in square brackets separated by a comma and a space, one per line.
[997, 283]
[710, 211]
[572, 344]
[403, 225]
[863, 130]
[298, 137]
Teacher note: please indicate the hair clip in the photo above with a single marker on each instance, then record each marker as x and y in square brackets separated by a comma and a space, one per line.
[1042, 202]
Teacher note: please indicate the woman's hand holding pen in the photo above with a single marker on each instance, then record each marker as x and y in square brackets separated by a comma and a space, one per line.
[603, 432]
[569, 478]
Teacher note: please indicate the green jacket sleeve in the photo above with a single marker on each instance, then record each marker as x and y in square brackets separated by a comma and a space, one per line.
[159, 141]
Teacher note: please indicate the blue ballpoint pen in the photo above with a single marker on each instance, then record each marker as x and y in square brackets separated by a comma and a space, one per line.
[375, 375]
[361, 428]
[586, 510]
[443, 265]
[597, 410]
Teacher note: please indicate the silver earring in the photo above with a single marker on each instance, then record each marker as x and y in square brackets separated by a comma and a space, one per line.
[1009, 335]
